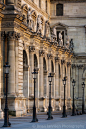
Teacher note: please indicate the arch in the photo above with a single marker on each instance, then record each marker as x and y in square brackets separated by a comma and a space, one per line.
[44, 63]
[59, 10]
[35, 61]
[25, 7]
[25, 74]
[52, 66]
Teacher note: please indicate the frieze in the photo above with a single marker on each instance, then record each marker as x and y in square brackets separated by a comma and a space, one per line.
[10, 25]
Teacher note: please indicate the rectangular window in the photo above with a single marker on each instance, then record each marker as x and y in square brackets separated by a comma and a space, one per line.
[59, 10]
[39, 3]
[46, 5]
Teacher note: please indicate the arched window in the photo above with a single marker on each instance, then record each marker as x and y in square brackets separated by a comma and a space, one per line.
[46, 6]
[39, 3]
[35, 61]
[52, 66]
[44, 63]
[59, 10]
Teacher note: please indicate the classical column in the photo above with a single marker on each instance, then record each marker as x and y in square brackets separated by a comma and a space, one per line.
[31, 57]
[11, 61]
[56, 78]
[68, 79]
[20, 67]
[41, 83]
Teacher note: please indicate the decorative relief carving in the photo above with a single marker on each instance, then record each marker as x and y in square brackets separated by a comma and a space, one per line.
[31, 48]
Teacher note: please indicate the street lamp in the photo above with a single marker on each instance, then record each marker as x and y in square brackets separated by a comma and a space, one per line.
[83, 86]
[50, 108]
[73, 106]
[34, 107]
[6, 115]
[64, 108]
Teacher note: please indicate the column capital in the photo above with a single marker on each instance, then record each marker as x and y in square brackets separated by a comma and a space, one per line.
[62, 62]
[31, 48]
[68, 64]
[73, 66]
[49, 56]
[13, 35]
[80, 66]
[56, 59]
[41, 52]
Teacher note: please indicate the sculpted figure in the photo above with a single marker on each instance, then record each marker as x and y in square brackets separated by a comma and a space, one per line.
[67, 43]
[71, 45]
[47, 30]
[29, 19]
[39, 25]
[60, 38]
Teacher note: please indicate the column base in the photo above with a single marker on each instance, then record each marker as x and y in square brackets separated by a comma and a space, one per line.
[16, 106]
[1, 114]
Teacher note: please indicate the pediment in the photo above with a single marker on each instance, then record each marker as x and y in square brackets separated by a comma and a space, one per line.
[59, 25]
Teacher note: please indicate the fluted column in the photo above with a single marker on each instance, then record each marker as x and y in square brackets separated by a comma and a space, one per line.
[11, 61]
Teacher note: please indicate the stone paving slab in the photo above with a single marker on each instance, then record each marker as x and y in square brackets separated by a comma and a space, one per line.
[71, 122]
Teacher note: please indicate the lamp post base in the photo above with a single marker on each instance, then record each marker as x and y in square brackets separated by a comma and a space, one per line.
[49, 114]
[64, 112]
[34, 115]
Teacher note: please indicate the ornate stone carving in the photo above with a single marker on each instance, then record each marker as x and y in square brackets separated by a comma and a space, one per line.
[31, 48]
[41, 52]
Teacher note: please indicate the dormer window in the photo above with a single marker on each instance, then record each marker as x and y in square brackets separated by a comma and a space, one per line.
[59, 10]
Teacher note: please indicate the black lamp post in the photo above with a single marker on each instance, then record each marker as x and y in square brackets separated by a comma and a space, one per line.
[64, 107]
[73, 106]
[83, 86]
[6, 115]
[34, 107]
[50, 108]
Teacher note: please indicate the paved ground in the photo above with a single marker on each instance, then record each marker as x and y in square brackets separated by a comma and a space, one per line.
[71, 122]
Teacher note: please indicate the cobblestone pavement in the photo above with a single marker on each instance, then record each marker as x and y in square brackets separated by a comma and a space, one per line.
[71, 122]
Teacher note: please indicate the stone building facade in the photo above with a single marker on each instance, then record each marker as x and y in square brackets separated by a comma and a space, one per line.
[47, 35]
